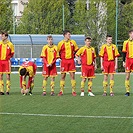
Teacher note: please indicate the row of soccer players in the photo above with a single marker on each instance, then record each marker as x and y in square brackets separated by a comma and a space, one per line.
[67, 50]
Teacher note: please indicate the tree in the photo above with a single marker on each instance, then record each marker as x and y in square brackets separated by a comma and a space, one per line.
[44, 17]
[6, 15]
[125, 20]
[91, 21]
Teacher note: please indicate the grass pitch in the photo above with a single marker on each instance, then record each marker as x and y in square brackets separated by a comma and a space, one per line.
[67, 114]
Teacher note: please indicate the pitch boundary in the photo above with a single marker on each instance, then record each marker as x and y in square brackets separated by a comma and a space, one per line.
[68, 116]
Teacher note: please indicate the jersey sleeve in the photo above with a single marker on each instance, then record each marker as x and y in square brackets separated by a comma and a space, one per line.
[94, 52]
[12, 48]
[75, 46]
[116, 52]
[101, 53]
[79, 52]
[34, 68]
[124, 47]
[57, 52]
[59, 46]
[43, 54]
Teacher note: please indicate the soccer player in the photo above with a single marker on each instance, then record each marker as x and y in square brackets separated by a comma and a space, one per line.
[128, 60]
[6, 52]
[109, 56]
[49, 54]
[28, 68]
[86, 57]
[67, 49]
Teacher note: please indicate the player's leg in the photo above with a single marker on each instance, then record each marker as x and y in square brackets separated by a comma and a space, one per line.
[63, 70]
[8, 83]
[52, 84]
[111, 84]
[24, 91]
[44, 85]
[82, 86]
[31, 85]
[45, 74]
[90, 87]
[1, 85]
[62, 84]
[128, 69]
[73, 83]
[127, 84]
[105, 84]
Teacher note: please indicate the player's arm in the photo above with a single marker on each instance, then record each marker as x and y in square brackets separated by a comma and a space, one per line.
[116, 63]
[124, 58]
[78, 59]
[78, 54]
[95, 63]
[101, 61]
[124, 50]
[34, 68]
[12, 50]
[21, 78]
[43, 55]
[101, 54]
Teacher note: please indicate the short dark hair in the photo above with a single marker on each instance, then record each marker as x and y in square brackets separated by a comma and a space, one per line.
[49, 36]
[23, 71]
[130, 31]
[4, 33]
[108, 36]
[65, 32]
[89, 38]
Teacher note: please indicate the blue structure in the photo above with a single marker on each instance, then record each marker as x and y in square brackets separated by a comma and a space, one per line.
[39, 39]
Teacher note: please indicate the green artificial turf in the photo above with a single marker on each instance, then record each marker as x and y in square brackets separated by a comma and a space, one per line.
[67, 114]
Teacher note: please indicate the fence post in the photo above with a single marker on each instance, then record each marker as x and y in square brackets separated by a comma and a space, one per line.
[63, 17]
[31, 54]
[116, 25]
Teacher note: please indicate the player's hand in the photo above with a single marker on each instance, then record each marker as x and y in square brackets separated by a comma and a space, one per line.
[50, 65]
[124, 64]
[95, 67]
[116, 67]
[79, 62]
[102, 67]
[47, 65]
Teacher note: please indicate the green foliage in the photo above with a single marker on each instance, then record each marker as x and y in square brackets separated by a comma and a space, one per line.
[125, 20]
[44, 17]
[6, 15]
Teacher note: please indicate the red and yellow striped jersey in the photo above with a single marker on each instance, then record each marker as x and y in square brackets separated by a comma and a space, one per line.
[109, 53]
[128, 48]
[87, 55]
[67, 49]
[49, 53]
[30, 67]
[6, 50]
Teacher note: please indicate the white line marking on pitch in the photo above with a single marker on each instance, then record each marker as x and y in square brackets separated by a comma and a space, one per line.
[70, 116]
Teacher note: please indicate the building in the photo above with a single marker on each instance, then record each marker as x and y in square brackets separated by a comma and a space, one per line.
[18, 8]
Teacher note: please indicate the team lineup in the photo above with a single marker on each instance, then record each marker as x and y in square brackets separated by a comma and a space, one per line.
[67, 50]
